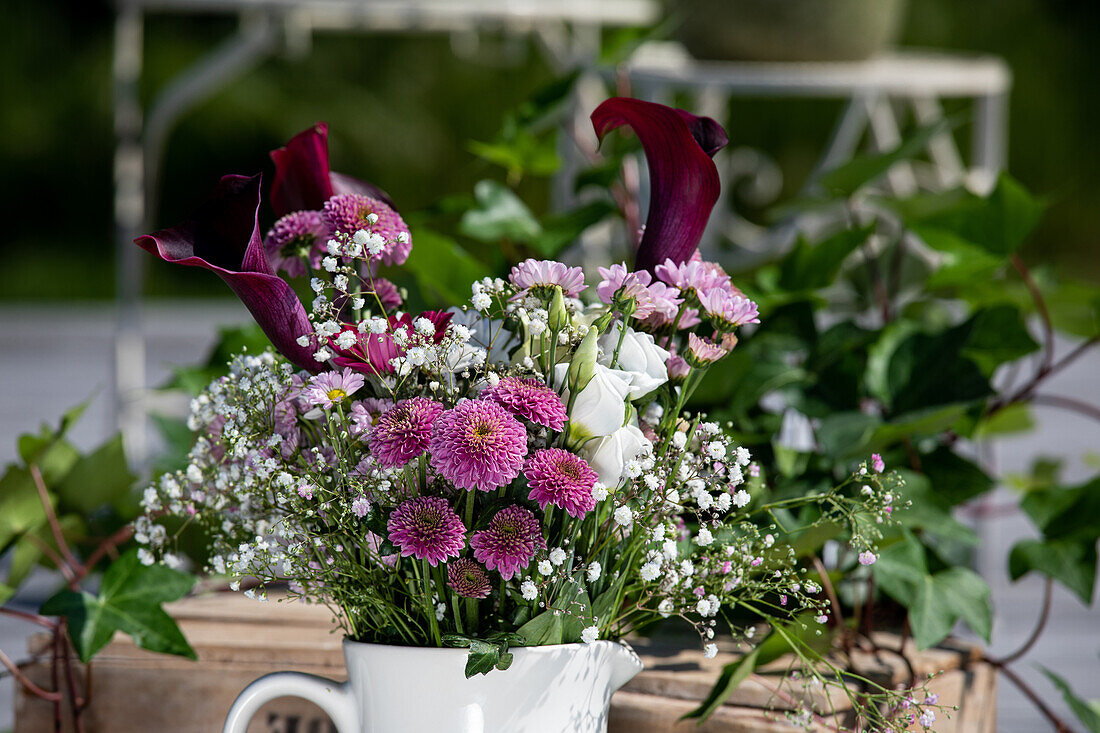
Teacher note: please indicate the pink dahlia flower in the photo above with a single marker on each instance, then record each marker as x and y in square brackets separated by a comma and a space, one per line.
[558, 477]
[293, 240]
[509, 542]
[427, 528]
[403, 432]
[347, 213]
[529, 398]
[325, 390]
[537, 275]
[728, 311]
[617, 280]
[467, 578]
[478, 445]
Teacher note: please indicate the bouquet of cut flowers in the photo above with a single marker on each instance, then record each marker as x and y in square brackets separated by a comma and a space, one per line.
[517, 470]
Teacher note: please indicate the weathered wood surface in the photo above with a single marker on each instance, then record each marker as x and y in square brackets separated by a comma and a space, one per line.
[238, 640]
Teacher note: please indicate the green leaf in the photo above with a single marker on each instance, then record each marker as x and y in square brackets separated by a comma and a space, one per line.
[953, 479]
[1013, 418]
[1066, 514]
[928, 514]
[926, 370]
[901, 568]
[810, 267]
[913, 425]
[129, 601]
[500, 215]
[6, 593]
[442, 267]
[946, 597]
[962, 261]
[998, 223]
[21, 507]
[846, 179]
[482, 659]
[542, 630]
[1088, 713]
[102, 477]
[521, 154]
[997, 336]
[1073, 564]
[845, 434]
[53, 455]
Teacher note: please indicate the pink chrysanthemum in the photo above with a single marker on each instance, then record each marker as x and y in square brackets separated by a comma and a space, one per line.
[294, 239]
[403, 432]
[558, 477]
[627, 285]
[347, 213]
[677, 368]
[509, 542]
[364, 414]
[702, 352]
[728, 311]
[529, 398]
[427, 528]
[695, 276]
[325, 390]
[467, 578]
[666, 304]
[478, 445]
[536, 275]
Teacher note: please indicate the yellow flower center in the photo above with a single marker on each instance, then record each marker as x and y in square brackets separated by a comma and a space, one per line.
[336, 394]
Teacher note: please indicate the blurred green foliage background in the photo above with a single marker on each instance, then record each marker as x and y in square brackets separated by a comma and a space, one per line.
[402, 112]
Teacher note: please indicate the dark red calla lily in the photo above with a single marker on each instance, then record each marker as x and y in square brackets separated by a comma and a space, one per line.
[683, 180]
[224, 237]
[303, 179]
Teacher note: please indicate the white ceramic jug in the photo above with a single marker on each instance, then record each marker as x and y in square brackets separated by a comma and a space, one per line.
[398, 689]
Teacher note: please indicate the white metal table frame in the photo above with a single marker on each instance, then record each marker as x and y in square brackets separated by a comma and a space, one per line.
[919, 79]
[567, 32]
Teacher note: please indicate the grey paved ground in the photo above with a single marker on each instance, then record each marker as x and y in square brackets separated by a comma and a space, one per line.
[52, 357]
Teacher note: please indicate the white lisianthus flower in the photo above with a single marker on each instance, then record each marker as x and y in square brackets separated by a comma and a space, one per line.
[600, 408]
[609, 455]
[639, 355]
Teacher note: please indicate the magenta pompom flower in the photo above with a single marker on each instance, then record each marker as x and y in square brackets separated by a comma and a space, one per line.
[509, 542]
[529, 398]
[427, 528]
[543, 275]
[325, 390]
[404, 431]
[478, 445]
[561, 478]
[347, 213]
[293, 240]
[467, 578]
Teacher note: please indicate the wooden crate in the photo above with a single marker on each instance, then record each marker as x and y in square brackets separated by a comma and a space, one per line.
[238, 640]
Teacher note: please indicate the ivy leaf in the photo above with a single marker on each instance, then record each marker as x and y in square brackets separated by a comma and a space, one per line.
[129, 601]
[1073, 564]
[998, 223]
[101, 477]
[901, 568]
[946, 597]
[442, 267]
[500, 215]
[1086, 712]
[483, 658]
[811, 267]
[560, 230]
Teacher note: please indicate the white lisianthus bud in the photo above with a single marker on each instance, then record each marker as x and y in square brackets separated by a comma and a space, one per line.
[600, 408]
[559, 314]
[581, 368]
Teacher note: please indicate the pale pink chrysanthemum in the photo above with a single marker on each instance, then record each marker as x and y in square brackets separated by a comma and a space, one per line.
[364, 414]
[427, 528]
[702, 352]
[325, 390]
[628, 285]
[543, 275]
[467, 578]
[509, 542]
[556, 476]
[347, 213]
[404, 431]
[529, 398]
[728, 311]
[293, 240]
[666, 304]
[478, 445]
[695, 276]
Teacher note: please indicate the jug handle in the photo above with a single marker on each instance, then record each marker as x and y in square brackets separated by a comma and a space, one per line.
[332, 697]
